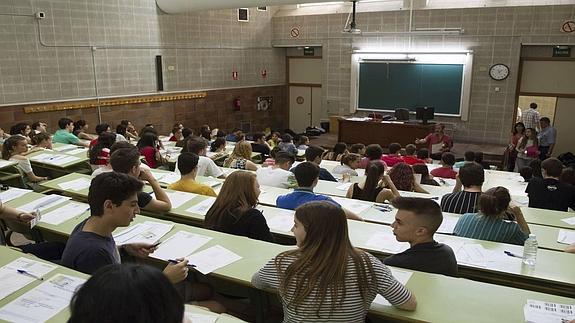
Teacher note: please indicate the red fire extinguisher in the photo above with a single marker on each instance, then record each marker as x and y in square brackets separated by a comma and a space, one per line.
[237, 104]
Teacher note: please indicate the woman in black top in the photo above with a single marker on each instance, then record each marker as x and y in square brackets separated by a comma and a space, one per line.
[234, 211]
[373, 189]
[424, 172]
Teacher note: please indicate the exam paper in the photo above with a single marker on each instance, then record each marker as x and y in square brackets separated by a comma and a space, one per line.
[201, 318]
[11, 280]
[212, 258]
[570, 220]
[180, 245]
[65, 213]
[148, 232]
[547, 312]
[13, 193]
[169, 178]
[178, 198]
[354, 206]
[203, 207]
[57, 160]
[64, 148]
[344, 187]
[386, 242]
[448, 225]
[76, 185]
[43, 203]
[472, 254]
[281, 222]
[43, 302]
[401, 276]
[566, 236]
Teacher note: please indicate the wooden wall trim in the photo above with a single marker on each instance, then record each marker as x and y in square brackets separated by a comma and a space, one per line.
[559, 95]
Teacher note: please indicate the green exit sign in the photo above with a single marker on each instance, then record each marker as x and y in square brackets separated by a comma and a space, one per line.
[561, 51]
[308, 51]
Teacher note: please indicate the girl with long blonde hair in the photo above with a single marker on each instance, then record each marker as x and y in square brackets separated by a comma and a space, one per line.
[326, 279]
[241, 157]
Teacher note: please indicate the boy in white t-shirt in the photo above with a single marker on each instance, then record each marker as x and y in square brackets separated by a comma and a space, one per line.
[278, 175]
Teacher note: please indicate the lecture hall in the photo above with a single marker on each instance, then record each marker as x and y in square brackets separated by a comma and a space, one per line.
[230, 161]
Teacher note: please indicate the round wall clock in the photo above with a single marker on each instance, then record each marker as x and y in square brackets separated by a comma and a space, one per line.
[499, 72]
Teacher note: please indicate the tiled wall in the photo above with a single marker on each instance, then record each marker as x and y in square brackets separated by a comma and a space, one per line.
[494, 34]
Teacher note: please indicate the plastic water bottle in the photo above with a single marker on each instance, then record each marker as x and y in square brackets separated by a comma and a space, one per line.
[530, 250]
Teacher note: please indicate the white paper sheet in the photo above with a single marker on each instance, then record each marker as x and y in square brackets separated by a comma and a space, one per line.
[570, 220]
[43, 302]
[344, 187]
[65, 148]
[202, 318]
[43, 203]
[180, 245]
[179, 198]
[566, 236]
[447, 225]
[520, 200]
[169, 178]
[354, 206]
[148, 232]
[11, 280]
[4, 163]
[76, 185]
[13, 193]
[472, 254]
[54, 159]
[386, 242]
[212, 258]
[547, 312]
[203, 207]
[65, 213]
[401, 276]
[281, 222]
[158, 176]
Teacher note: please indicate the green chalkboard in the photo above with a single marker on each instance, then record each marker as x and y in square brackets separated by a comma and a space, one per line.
[387, 86]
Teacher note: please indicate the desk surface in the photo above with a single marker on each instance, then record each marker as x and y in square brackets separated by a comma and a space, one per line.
[78, 161]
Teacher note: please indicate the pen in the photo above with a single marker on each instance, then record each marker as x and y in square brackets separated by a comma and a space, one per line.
[24, 272]
[511, 254]
[175, 262]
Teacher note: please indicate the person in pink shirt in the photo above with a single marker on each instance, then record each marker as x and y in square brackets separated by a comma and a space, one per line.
[394, 157]
[446, 169]
[437, 141]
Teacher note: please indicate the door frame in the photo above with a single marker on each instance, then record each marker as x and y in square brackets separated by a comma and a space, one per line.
[310, 85]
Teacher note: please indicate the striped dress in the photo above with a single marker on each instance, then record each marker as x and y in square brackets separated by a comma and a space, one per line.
[352, 309]
[478, 226]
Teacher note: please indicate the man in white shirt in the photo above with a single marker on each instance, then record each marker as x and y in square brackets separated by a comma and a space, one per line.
[531, 117]
[206, 166]
[279, 174]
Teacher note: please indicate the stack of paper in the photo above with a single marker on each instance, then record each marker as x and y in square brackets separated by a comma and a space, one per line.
[566, 236]
[212, 258]
[12, 280]
[546, 312]
[148, 232]
[43, 203]
[386, 242]
[76, 185]
[64, 213]
[203, 207]
[401, 276]
[354, 206]
[180, 245]
[43, 302]
[13, 193]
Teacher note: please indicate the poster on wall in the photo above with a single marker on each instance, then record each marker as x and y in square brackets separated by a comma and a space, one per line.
[264, 103]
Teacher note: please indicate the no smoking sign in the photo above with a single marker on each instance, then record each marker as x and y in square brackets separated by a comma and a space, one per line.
[568, 26]
[294, 32]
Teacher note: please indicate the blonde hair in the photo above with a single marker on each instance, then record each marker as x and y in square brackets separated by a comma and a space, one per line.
[243, 149]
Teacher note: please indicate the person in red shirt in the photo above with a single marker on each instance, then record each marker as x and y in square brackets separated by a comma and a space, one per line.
[446, 170]
[410, 158]
[394, 157]
[176, 134]
[373, 152]
[147, 146]
[100, 152]
[437, 142]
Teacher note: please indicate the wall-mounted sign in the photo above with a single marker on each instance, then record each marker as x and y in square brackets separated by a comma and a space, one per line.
[568, 26]
[561, 51]
[294, 32]
[308, 51]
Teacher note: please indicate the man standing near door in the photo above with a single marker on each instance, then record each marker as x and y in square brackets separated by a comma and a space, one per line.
[530, 118]
[546, 138]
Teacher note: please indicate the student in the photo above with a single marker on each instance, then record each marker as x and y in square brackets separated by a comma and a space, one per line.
[23, 129]
[270, 161]
[527, 173]
[423, 154]
[303, 143]
[278, 175]
[127, 161]
[548, 192]
[370, 189]
[527, 149]
[567, 176]
[372, 152]
[131, 130]
[349, 163]
[260, 145]
[516, 134]
[491, 223]
[403, 177]
[479, 160]
[81, 130]
[218, 146]
[326, 279]
[307, 176]
[152, 297]
[206, 132]
[147, 146]
[468, 157]
[437, 142]
[314, 155]
[234, 210]
[206, 166]
[176, 134]
[535, 165]
[357, 149]
[12, 214]
[14, 149]
[99, 154]
[64, 135]
[287, 144]
[187, 133]
[274, 140]
[188, 166]
[446, 169]
[121, 133]
[241, 157]
[3, 136]
[38, 127]
[339, 150]
[410, 158]
[42, 140]
[426, 178]
[416, 221]
[100, 129]
[177, 126]
[471, 177]
[234, 136]
[394, 156]
[108, 167]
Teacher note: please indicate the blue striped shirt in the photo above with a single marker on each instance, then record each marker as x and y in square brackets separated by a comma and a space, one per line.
[479, 226]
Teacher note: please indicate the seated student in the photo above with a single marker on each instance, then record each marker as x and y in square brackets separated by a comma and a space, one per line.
[303, 143]
[423, 154]
[271, 160]
[567, 176]
[12, 214]
[404, 179]
[81, 130]
[410, 158]
[527, 173]
[102, 298]
[187, 133]
[206, 166]
[274, 139]
[446, 169]
[38, 127]
[468, 157]
[548, 192]
[3, 136]
[234, 135]
[177, 134]
[121, 133]
[42, 140]
[108, 168]
[260, 145]
[100, 129]
[287, 144]
[357, 149]
[177, 126]
[14, 149]
[130, 129]
[491, 223]
[471, 177]
[314, 154]
[535, 165]
[218, 146]
[64, 135]
[339, 150]
[241, 157]
[127, 161]
[188, 166]
[373, 152]
[99, 154]
[234, 210]
[326, 279]
[416, 221]
[148, 148]
[422, 170]
[23, 129]
[370, 189]
[307, 176]
[349, 163]
[479, 160]
[278, 175]
[394, 156]
[206, 132]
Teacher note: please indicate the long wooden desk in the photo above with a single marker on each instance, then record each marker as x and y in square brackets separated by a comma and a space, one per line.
[381, 132]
